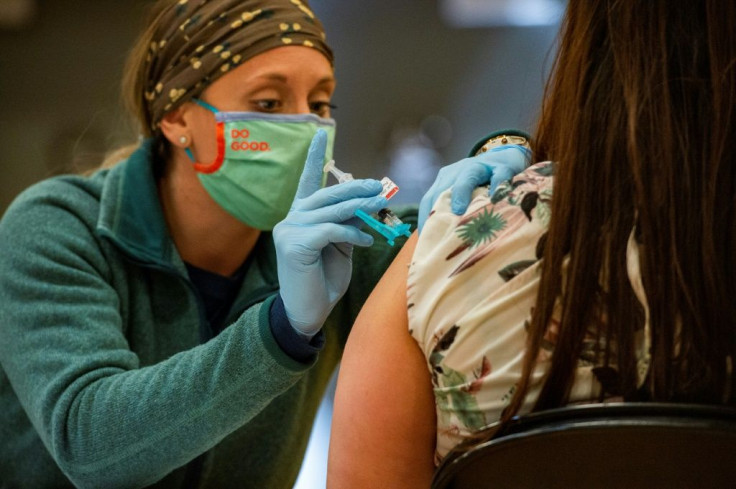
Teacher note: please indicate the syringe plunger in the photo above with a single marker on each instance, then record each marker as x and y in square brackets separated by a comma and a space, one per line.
[337, 173]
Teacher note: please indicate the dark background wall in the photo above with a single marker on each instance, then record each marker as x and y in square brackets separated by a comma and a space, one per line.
[412, 93]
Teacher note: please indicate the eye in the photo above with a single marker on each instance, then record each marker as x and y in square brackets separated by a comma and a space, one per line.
[322, 109]
[267, 105]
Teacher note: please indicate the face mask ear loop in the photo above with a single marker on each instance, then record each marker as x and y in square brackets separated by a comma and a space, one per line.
[207, 106]
[204, 104]
[189, 153]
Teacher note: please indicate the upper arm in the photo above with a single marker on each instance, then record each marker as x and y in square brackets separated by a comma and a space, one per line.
[383, 427]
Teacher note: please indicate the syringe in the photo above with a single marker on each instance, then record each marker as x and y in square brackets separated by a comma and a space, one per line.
[384, 221]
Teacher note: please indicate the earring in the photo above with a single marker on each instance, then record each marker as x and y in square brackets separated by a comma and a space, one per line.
[185, 141]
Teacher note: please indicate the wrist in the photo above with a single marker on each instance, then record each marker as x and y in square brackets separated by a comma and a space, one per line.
[501, 138]
[288, 339]
[507, 141]
[305, 329]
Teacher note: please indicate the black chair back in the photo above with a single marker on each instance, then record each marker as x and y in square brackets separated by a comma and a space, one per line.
[621, 445]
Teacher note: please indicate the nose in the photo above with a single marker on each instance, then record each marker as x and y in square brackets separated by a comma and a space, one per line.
[299, 100]
[302, 106]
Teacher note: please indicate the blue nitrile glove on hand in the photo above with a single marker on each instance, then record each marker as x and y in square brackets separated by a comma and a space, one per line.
[495, 166]
[314, 243]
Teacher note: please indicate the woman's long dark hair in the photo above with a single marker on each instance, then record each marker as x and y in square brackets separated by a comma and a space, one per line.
[640, 113]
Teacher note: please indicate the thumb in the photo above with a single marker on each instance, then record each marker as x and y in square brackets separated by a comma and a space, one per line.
[311, 179]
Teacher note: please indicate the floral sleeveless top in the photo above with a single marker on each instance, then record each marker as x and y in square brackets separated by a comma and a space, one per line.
[471, 288]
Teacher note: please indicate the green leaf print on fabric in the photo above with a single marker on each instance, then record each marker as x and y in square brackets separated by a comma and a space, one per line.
[482, 228]
[543, 211]
[453, 393]
[524, 200]
[442, 401]
[435, 362]
[546, 170]
[457, 401]
[506, 189]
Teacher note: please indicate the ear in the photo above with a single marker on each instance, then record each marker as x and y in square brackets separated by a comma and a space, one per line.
[175, 125]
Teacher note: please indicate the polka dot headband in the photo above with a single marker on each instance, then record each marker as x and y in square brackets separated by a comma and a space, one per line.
[200, 40]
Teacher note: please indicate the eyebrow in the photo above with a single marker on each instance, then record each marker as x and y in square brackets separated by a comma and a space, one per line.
[274, 77]
[283, 79]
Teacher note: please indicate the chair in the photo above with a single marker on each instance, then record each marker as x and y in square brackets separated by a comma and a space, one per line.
[621, 445]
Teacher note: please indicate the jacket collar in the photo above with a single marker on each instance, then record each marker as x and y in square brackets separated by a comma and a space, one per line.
[131, 214]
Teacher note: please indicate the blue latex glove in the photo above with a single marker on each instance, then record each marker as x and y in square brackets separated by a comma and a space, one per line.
[495, 166]
[314, 243]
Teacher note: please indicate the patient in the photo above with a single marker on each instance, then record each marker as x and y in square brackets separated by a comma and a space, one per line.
[621, 286]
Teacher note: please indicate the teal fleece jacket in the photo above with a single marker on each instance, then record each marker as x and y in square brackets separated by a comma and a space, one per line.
[103, 382]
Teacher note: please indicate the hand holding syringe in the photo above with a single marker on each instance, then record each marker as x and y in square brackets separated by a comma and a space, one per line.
[384, 221]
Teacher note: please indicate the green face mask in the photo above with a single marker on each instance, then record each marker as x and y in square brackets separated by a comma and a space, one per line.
[260, 158]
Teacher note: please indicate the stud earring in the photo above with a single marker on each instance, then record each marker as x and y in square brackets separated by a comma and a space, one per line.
[185, 141]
